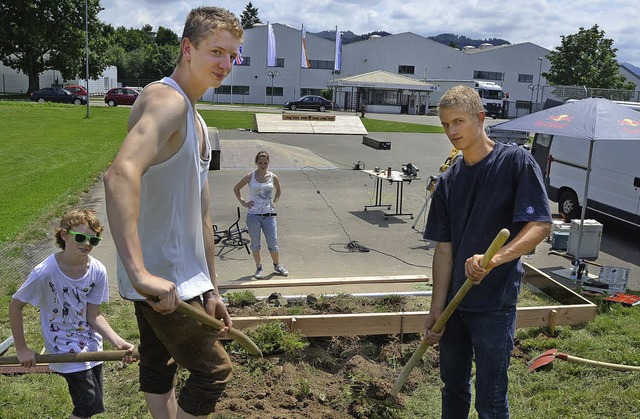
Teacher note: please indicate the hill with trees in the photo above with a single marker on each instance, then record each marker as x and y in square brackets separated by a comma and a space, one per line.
[452, 40]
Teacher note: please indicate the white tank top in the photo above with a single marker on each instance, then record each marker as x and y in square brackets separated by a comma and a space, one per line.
[261, 194]
[170, 220]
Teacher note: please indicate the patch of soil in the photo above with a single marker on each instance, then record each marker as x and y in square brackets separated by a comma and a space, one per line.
[338, 377]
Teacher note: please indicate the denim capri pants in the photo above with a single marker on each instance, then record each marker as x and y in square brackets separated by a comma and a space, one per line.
[266, 224]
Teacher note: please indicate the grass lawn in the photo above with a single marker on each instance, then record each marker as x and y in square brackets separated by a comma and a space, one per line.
[51, 154]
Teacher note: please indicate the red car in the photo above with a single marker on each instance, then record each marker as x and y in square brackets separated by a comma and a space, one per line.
[121, 96]
[78, 90]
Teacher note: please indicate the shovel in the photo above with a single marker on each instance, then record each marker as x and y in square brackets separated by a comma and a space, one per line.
[551, 354]
[201, 316]
[497, 243]
[72, 357]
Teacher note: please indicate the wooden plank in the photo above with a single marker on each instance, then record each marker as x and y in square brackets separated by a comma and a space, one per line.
[344, 324]
[551, 287]
[565, 315]
[362, 324]
[389, 279]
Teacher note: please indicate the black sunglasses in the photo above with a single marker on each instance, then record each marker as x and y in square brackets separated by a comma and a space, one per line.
[81, 238]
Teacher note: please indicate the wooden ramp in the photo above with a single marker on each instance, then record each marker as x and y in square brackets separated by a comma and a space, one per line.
[309, 123]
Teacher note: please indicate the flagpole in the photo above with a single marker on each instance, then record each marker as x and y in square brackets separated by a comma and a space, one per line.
[301, 54]
[265, 80]
[335, 56]
[231, 87]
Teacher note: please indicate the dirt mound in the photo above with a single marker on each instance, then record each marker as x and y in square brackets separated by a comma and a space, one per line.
[333, 377]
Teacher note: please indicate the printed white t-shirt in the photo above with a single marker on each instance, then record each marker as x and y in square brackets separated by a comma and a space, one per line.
[63, 308]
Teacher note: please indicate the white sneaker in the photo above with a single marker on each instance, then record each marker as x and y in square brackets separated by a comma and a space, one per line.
[280, 270]
[259, 274]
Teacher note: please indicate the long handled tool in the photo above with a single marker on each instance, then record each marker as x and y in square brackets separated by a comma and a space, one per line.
[71, 357]
[497, 243]
[183, 308]
[216, 324]
[552, 354]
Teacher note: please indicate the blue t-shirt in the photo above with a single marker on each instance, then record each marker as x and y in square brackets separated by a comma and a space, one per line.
[471, 204]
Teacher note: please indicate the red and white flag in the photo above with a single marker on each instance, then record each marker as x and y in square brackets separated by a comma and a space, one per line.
[304, 57]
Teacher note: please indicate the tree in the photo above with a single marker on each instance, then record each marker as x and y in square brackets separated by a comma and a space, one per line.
[586, 59]
[166, 36]
[39, 35]
[142, 54]
[249, 17]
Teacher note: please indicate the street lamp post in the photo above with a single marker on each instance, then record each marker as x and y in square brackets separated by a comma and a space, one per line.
[86, 50]
[272, 75]
[539, 74]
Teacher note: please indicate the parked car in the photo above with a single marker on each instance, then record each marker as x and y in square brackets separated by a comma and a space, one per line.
[309, 102]
[121, 96]
[74, 88]
[57, 94]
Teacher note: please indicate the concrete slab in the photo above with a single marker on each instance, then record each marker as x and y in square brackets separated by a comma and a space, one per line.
[275, 123]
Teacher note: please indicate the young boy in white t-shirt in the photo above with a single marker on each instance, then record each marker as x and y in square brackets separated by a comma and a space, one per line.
[68, 287]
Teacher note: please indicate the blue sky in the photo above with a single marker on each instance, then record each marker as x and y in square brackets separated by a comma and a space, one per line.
[539, 21]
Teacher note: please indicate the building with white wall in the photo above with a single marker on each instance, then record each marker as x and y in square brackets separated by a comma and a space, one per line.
[13, 81]
[515, 67]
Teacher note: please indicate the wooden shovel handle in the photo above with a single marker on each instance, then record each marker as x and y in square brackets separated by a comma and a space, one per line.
[497, 243]
[216, 324]
[72, 357]
[584, 361]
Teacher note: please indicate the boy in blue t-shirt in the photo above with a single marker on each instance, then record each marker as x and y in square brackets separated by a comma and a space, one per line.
[494, 186]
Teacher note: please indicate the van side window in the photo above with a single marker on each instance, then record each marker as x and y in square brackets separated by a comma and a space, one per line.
[543, 139]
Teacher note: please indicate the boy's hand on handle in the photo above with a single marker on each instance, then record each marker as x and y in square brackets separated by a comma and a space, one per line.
[429, 335]
[162, 295]
[473, 269]
[129, 357]
[26, 357]
[215, 307]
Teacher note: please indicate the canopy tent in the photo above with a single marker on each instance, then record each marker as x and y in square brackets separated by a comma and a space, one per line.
[590, 119]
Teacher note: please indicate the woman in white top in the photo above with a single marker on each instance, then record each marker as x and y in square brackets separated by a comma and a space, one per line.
[264, 193]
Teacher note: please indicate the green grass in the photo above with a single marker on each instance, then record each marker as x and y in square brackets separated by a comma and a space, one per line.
[376, 125]
[49, 155]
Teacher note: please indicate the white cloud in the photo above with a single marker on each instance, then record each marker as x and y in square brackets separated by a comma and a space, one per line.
[539, 21]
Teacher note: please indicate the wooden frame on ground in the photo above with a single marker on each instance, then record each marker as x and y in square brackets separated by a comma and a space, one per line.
[573, 309]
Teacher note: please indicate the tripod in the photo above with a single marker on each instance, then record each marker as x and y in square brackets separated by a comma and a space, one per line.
[431, 186]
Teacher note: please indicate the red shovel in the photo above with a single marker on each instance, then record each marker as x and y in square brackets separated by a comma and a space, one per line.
[551, 354]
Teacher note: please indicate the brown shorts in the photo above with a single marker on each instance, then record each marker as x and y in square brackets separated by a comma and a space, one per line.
[192, 346]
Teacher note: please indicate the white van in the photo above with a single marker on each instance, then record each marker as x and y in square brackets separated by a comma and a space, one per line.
[614, 183]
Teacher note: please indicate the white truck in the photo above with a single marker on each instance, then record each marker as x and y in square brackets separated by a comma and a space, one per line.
[614, 183]
[490, 93]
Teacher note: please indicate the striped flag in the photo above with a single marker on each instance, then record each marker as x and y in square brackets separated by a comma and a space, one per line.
[304, 57]
[239, 60]
[338, 57]
[271, 46]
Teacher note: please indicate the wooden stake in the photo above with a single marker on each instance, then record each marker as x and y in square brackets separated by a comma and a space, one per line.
[553, 318]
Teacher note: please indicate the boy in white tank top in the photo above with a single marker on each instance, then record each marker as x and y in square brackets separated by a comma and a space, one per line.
[158, 207]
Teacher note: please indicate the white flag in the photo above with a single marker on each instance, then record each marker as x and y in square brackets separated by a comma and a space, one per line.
[304, 58]
[338, 58]
[271, 46]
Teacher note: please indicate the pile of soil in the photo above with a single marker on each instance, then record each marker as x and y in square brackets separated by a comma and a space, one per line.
[337, 377]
